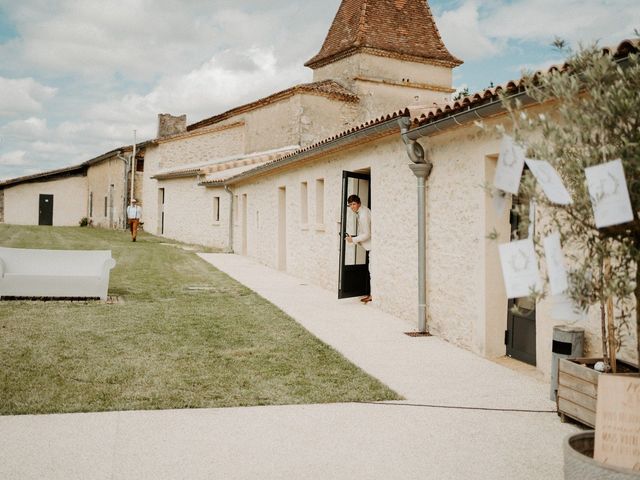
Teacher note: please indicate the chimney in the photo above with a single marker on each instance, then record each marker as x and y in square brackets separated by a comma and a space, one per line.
[169, 125]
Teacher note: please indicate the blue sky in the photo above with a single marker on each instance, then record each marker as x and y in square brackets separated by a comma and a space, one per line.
[76, 78]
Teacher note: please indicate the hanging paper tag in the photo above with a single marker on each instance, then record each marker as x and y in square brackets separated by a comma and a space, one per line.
[519, 268]
[549, 181]
[510, 165]
[555, 264]
[609, 194]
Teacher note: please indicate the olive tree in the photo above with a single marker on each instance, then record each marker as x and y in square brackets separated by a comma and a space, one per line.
[593, 117]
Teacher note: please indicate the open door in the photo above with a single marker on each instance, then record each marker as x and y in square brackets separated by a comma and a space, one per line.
[354, 268]
[520, 337]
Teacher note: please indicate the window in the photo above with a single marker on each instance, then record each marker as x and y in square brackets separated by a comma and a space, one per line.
[320, 201]
[106, 202]
[304, 205]
[140, 165]
[90, 204]
[216, 209]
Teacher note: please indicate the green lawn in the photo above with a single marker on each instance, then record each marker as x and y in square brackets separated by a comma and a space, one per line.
[164, 346]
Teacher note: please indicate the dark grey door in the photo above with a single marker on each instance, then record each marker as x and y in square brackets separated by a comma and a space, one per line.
[354, 268]
[520, 337]
[45, 216]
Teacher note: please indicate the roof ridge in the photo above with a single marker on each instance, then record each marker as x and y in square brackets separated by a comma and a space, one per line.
[362, 24]
[400, 27]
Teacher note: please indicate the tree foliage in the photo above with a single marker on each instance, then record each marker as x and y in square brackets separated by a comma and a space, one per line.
[593, 118]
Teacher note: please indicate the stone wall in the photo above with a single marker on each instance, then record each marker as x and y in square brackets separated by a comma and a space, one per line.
[313, 249]
[322, 117]
[273, 126]
[196, 148]
[105, 180]
[387, 84]
[171, 125]
[189, 212]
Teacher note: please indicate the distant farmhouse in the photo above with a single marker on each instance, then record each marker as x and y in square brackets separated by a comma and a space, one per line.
[269, 180]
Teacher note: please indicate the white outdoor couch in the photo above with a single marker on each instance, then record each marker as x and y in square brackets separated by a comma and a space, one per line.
[27, 272]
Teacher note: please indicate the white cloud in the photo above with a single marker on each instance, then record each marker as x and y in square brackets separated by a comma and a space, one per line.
[142, 38]
[227, 80]
[14, 158]
[23, 95]
[30, 128]
[480, 30]
[120, 63]
[463, 34]
[574, 20]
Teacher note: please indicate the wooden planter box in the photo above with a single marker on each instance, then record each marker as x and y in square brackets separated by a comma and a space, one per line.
[578, 388]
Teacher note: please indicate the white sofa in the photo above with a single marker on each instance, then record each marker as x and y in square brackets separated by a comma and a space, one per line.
[28, 272]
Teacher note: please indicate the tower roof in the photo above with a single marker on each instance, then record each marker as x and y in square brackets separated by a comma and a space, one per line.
[402, 28]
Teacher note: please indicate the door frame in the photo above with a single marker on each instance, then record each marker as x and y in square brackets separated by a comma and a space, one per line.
[520, 335]
[48, 219]
[351, 278]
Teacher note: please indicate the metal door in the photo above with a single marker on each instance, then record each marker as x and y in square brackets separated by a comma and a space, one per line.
[45, 216]
[354, 261]
[520, 336]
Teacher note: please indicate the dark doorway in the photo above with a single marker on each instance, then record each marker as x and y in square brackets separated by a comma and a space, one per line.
[161, 211]
[354, 261]
[45, 216]
[520, 337]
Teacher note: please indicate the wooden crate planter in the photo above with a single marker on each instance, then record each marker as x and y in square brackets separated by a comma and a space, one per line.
[578, 387]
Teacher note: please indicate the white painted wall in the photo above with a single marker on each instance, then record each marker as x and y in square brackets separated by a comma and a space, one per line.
[189, 213]
[21, 202]
[313, 248]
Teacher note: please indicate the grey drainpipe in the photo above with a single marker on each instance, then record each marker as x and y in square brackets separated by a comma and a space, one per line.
[230, 247]
[421, 168]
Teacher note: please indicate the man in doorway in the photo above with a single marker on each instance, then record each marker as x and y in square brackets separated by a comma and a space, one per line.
[363, 238]
[134, 214]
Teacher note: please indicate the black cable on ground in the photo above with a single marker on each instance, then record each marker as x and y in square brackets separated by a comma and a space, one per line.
[454, 407]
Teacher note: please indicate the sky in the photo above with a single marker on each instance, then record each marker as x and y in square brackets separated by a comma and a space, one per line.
[77, 77]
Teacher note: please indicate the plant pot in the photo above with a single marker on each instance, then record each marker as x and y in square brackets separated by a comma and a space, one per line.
[578, 388]
[580, 465]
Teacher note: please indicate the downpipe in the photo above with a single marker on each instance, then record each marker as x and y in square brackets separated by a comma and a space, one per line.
[229, 248]
[421, 168]
[125, 189]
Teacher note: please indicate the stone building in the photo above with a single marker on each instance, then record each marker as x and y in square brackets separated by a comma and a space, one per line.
[280, 196]
[269, 180]
[97, 189]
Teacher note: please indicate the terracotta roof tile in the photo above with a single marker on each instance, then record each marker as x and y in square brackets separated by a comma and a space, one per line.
[431, 113]
[422, 115]
[403, 27]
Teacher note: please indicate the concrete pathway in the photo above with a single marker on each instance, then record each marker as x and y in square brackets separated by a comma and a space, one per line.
[464, 417]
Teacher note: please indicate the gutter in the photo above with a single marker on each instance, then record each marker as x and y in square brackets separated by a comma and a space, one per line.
[383, 128]
[470, 114]
[422, 167]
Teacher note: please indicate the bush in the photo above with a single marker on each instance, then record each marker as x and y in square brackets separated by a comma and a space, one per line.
[84, 221]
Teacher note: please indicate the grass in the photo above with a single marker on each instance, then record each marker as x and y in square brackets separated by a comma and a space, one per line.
[164, 346]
